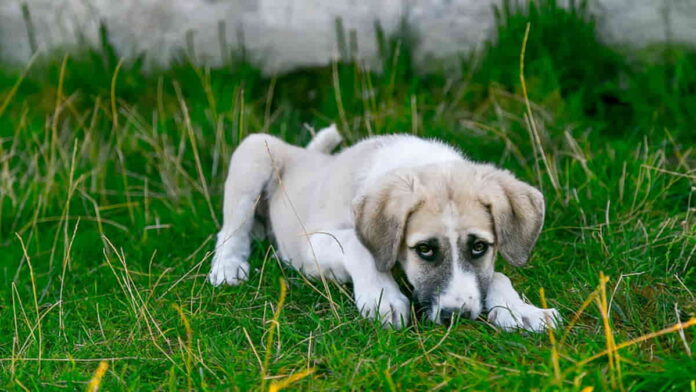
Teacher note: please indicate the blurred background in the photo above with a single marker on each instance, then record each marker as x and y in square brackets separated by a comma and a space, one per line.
[280, 35]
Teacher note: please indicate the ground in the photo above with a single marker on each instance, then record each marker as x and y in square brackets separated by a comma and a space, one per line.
[111, 190]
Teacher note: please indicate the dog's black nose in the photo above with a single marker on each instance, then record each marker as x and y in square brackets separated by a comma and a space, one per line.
[449, 314]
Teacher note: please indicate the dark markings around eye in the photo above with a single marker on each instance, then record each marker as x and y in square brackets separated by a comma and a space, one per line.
[474, 247]
[435, 274]
[428, 250]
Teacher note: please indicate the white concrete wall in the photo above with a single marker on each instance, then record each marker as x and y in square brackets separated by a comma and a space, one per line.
[284, 34]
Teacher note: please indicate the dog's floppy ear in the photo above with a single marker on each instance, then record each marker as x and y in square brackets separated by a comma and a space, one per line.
[381, 215]
[518, 215]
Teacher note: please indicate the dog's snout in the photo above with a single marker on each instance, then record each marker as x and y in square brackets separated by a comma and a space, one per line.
[447, 315]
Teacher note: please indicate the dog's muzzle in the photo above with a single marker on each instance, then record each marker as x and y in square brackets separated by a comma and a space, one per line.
[447, 315]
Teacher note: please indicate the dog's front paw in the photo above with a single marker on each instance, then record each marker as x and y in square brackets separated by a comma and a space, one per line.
[389, 305]
[527, 317]
[229, 270]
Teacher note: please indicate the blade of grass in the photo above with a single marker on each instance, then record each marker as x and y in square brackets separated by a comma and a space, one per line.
[274, 324]
[534, 133]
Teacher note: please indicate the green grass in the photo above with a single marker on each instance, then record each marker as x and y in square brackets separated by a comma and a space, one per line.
[101, 183]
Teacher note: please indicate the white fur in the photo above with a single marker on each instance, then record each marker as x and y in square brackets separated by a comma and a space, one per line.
[400, 152]
[508, 311]
[462, 291]
[326, 140]
[311, 196]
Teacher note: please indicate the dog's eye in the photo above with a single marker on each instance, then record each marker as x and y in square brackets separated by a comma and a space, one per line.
[426, 252]
[478, 249]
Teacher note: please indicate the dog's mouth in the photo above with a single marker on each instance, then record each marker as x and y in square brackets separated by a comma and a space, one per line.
[432, 311]
[448, 316]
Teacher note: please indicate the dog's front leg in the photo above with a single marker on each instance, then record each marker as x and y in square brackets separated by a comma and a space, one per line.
[377, 295]
[508, 311]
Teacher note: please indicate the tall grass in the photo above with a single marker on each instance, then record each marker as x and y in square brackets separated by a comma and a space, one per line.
[111, 185]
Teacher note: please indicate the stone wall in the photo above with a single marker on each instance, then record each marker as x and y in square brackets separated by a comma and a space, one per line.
[285, 34]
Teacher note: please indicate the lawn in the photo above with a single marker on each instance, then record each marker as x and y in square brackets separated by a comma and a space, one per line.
[111, 188]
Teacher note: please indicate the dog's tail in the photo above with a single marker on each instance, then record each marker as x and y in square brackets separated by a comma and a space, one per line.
[326, 140]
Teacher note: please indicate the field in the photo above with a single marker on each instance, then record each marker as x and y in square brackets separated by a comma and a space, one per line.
[111, 189]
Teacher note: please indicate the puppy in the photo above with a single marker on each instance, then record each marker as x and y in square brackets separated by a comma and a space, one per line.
[394, 199]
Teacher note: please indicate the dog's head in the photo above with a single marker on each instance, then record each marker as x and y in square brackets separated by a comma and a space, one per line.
[445, 224]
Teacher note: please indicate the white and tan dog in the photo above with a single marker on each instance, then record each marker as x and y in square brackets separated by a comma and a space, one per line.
[353, 215]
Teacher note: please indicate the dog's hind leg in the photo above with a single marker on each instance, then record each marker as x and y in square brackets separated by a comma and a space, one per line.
[326, 140]
[251, 171]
